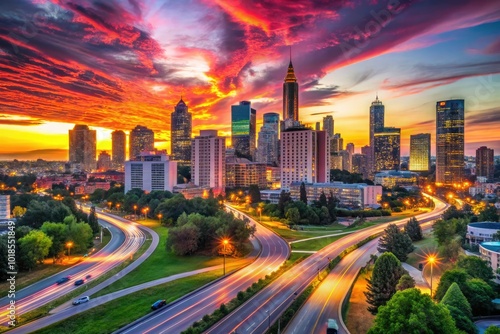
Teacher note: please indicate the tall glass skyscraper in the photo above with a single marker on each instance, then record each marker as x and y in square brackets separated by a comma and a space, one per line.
[449, 141]
[141, 139]
[118, 150]
[181, 127]
[377, 111]
[267, 151]
[290, 95]
[82, 147]
[420, 152]
[387, 148]
[328, 125]
[485, 162]
[243, 124]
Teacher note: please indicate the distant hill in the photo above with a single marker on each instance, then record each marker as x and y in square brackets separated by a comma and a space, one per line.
[46, 154]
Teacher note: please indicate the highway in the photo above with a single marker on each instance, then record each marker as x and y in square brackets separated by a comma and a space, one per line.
[126, 240]
[181, 314]
[256, 315]
[326, 301]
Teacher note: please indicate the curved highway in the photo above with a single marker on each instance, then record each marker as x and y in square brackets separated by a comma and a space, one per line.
[326, 301]
[256, 315]
[181, 314]
[126, 240]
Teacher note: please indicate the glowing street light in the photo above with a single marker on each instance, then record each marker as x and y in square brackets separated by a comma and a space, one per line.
[69, 244]
[259, 210]
[117, 206]
[109, 204]
[431, 259]
[135, 210]
[159, 217]
[225, 242]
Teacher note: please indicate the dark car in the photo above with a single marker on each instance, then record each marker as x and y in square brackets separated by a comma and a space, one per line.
[79, 282]
[158, 304]
[63, 280]
[88, 276]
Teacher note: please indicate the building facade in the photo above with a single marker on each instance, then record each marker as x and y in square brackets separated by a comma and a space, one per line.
[82, 147]
[150, 172]
[386, 149]
[118, 148]
[377, 112]
[241, 172]
[304, 156]
[140, 139]
[243, 126]
[290, 95]
[103, 161]
[360, 165]
[481, 232]
[485, 166]
[181, 128]
[4, 207]
[329, 125]
[208, 161]
[393, 179]
[449, 141]
[420, 152]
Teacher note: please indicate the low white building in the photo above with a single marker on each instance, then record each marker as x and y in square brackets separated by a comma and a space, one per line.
[490, 251]
[4, 207]
[481, 232]
[151, 171]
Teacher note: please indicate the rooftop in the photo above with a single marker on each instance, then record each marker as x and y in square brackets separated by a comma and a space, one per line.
[488, 225]
[493, 246]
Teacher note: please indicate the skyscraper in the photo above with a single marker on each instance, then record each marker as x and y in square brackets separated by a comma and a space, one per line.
[208, 161]
[359, 165]
[180, 143]
[243, 126]
[336, 143]
[420, 152]
[118, 149]
[484, 162]
[377, 111]
[290, 95]
[82, 147]
[141, 139]
[328, 125]
[449, 141]
[267, 151]
[272, 120]
[387, 145]
[103, 161]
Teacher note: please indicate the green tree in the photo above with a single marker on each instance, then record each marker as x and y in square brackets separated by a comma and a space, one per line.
[293, 216]
[93, 221]
[405, 282]
[444, 231]
[254, 193]
[449, 277]
[183, 240]
[462, 322]
[413, 229]
[284, 200]
[322, 200]
[479, 294]
[81, 235]
[58, 233]
[492, 330]
[303, 193]
[455, 297]
[396, 242]
[451, 250]
[410, 311]
[173, 207]
[385, 277]
[489, 214]
[34, 248]
[476, 267]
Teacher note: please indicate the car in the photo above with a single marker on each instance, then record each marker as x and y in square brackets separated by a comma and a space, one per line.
[81, 300]
[79, 282]
[88, 276]
[63, 280]
[159, 303]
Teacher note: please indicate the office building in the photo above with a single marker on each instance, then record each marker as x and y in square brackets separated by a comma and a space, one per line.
[449, 141]
[328, 125]
[392, 179]
[267, 151]
[241, 172]
[377, 111]
[180, 143]
[82, 147]
[4, 207]
[103, 161]
[118, 148]
[304, 156]
[420, 152]
[336, 143]
[346, 160]
[290, 95]
[387, 145]
[368, 152]
[208, 161]
[150, 172]
[140, 139]
[336, 161]
[359, 165]
[243, 126]
[485, 166]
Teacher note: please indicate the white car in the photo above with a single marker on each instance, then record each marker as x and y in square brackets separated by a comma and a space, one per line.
[81, 300]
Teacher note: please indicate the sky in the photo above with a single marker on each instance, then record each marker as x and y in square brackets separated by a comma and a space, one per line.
[114, 64]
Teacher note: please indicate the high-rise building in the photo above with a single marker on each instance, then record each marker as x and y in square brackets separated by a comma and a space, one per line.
[336, 143]
[420, 152]
[241, 172]
[359, 165]
[208, 161]
[346, 160]
[82, 147]
[103, 161]
[377, 111]
[271, 120]
[449, 141]
[243, 126]
[150, 172]
[4, 207]
[141, 139]
[181, 127]
[368, 152]
[387, 145]
[290, 95]
[304, 156]
[484, 162]
[118, 149]
[350, 148]
[267, 151]
[328, 125]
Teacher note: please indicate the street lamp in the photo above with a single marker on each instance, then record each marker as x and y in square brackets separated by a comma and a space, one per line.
[109, 204]
[69, 244]
[135, 210]
[225, 242]
[117, 206]
[159, 217]
[431, 259]
[259, 210]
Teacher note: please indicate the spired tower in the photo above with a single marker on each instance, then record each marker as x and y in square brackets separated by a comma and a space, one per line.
[290, 94]
[181, 127]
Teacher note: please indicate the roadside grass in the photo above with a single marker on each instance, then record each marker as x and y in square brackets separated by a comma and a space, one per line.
[315, 244]
[162, 264]
[358, 319]
[47, 269]
[117, 313]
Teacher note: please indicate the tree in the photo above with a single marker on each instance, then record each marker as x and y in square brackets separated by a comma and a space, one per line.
[332, 206]
[489, 214]
[462, 322]
[444, 231]
[34, 248]
[18, 211]
[183, 240]
[254, 193]
[284, 200]
[479, 294]
[93, 221]
[81, 235]
[396, 242]
[475, 267]
[455, 297]
[293, 216]
[303, 193]
[382, 285]
[451, 250]
[492, 330]
[405, 282]
[410, 311]
[413, 229]
[58, 233]
[449, 277]
[322, 200]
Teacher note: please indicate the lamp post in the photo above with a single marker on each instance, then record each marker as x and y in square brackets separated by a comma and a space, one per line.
[224, 242]
[109, 205]
[69, 244]
[431, 259]
[117, 206]
[259, 210]
[135, 210]
[159, 217]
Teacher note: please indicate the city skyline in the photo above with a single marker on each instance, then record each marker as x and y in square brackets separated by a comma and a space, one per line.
[52, 82]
